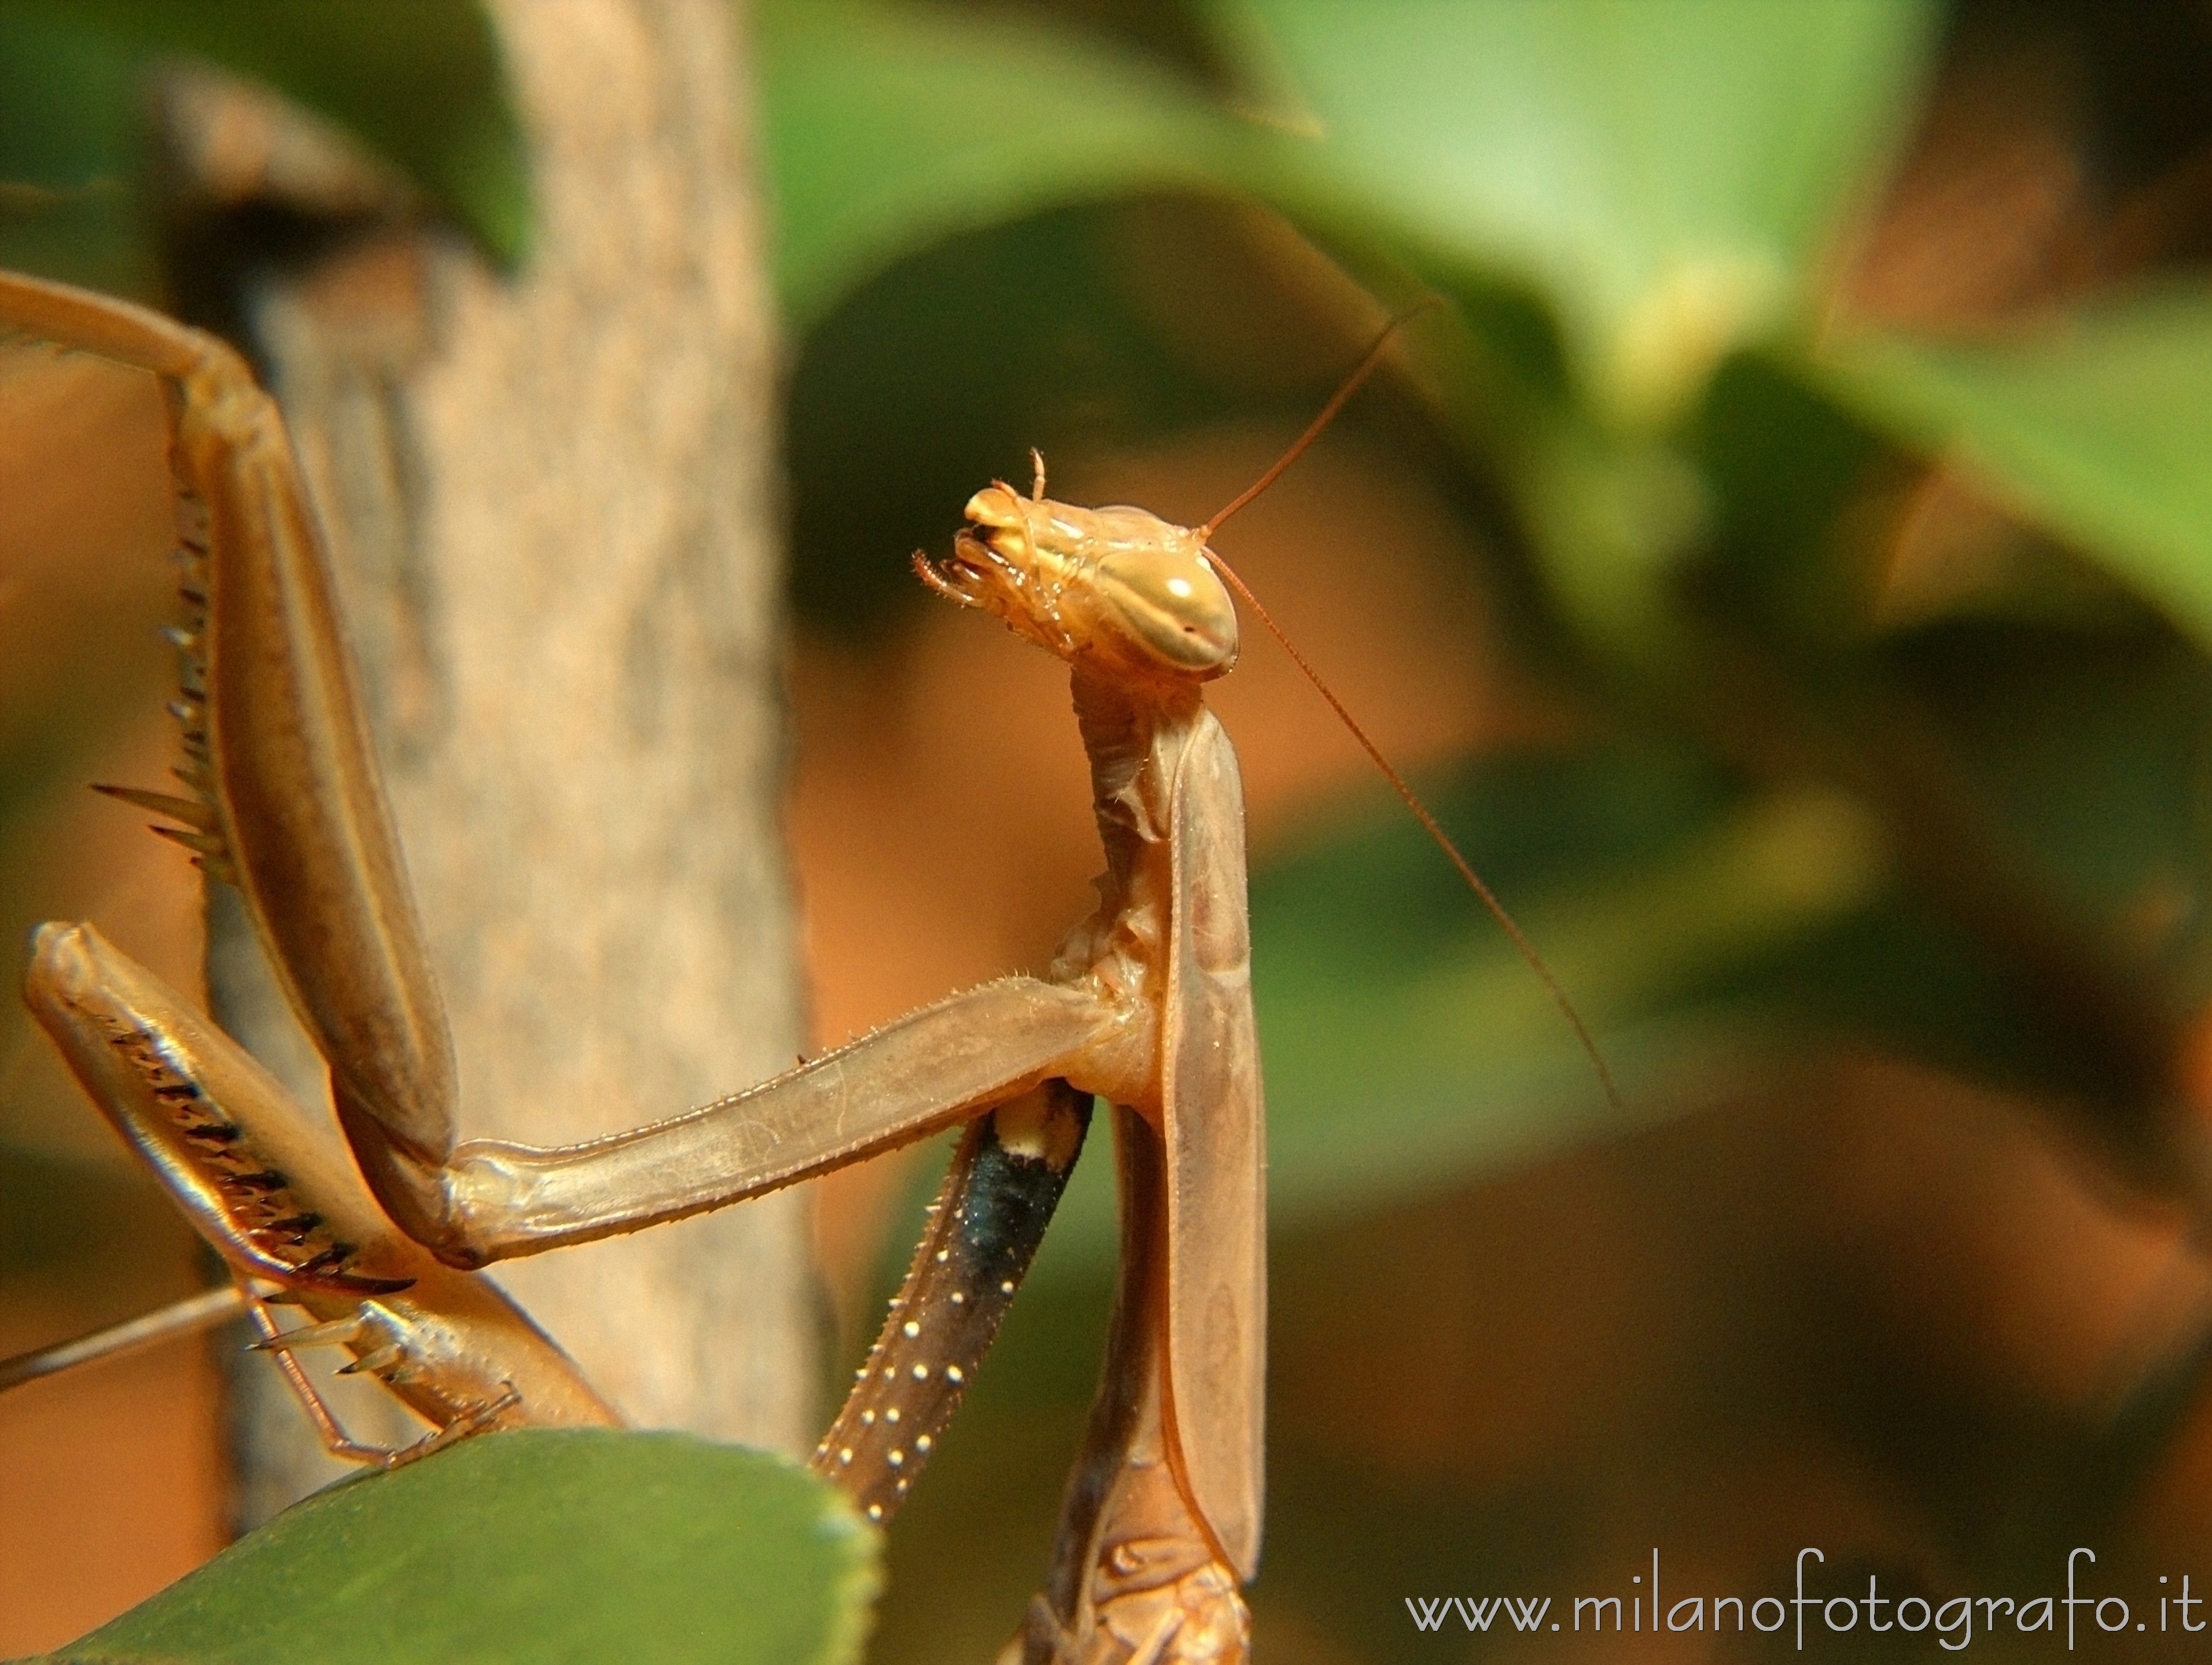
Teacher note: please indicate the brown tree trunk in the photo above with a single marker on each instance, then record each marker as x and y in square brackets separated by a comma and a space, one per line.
[550, 498]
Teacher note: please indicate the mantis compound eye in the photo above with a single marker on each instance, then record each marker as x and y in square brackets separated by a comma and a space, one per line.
[1172, 607]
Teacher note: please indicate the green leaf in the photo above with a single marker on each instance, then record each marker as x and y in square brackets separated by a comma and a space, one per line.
[420, 82]
[2083, 749]
[1408, 1047]
[2099, 427]
[1406, 1039]
[1665, 175]
[581, 1545]
[1071, 360]
[1407, 1044]
[69, 107]
[889, 129]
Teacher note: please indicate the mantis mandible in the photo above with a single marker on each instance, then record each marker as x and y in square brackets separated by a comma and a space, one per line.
[1147, 1004]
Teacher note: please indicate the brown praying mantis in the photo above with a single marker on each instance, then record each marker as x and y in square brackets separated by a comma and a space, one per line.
[1148, 1004]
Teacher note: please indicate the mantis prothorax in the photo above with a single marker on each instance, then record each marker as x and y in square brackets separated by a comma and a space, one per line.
[1148, 1004]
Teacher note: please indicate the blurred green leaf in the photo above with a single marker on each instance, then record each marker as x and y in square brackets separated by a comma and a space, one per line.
[1039, 312]
[1784, 465]
[1405, 1043]
[892, 128]
[65, 123]
[420, 82]
[2100, 427]
[2091, 750]
[1665, 175]
[69, 113]
[582, 1545]
[1408, 1043]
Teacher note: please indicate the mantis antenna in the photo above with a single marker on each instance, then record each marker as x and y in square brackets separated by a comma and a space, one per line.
[1422, 813]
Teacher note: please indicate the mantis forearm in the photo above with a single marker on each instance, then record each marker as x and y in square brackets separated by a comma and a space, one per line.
[935, 1067]
[268, 1189]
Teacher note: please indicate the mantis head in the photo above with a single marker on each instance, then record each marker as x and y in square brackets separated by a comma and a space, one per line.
[1117, 586]
[1138, 596]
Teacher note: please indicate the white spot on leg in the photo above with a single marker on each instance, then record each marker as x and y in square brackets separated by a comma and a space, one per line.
[875, 1511]
[952, 1374]
[898, 1459]
[909, 1329]
[922, 1444]
[845, 1456]
[922, 1372]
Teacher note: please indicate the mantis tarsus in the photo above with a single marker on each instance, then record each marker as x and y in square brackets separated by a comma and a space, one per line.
[1147, 1004]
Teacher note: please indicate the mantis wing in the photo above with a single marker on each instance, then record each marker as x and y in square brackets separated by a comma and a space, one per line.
[1216, 1137]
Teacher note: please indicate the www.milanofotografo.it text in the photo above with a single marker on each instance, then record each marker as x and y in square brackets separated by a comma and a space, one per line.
[1952, 1622]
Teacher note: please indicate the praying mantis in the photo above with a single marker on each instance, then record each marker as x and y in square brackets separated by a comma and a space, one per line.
[1147, 1004]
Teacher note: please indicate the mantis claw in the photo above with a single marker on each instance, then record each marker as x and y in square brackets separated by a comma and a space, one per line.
[472, 1421]
[337, 1332]
[191, 811]
[382, 1362]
